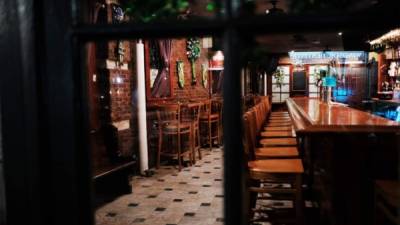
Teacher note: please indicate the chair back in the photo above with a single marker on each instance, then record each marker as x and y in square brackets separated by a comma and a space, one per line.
[168, 113]
[192, 112]
[248, 133]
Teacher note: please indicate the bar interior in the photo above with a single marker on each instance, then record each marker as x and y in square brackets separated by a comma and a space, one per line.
[320, 132]
[289, 126]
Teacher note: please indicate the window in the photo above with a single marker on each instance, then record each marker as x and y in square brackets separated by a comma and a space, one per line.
[45, 111]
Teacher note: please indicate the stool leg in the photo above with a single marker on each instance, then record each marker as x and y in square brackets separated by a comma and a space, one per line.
[159, 149]
[179, 153]
[299, 201]
[198, 140]
[193, 144]
[209, 134]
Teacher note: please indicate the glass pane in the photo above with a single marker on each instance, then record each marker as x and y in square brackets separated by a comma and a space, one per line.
[151, 98]
[132, 11]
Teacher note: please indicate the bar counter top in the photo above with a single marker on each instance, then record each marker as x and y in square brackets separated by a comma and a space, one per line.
[312, 115]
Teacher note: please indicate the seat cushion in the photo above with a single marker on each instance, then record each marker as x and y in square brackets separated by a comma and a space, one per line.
[278, 142]
[276, 166]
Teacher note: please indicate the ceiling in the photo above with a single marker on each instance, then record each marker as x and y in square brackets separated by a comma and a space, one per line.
[283, 43]
[305, 6]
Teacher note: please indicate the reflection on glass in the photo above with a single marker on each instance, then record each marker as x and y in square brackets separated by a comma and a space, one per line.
[134, 11]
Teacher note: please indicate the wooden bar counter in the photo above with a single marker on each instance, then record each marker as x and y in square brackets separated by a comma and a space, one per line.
[344, 151]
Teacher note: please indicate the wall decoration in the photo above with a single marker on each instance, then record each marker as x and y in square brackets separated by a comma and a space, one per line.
[193, 53]
[181, 73]
[204, 74]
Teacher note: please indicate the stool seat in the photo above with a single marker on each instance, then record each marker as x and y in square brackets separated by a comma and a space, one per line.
[279, 120]
[285, 133]
[173, 127]
[279, 124]
[281, 128]
[276, 152]
[212, 117]
[278, 142]
[277, 166]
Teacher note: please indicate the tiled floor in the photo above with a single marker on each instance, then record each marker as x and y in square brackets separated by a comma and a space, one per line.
[193, 196]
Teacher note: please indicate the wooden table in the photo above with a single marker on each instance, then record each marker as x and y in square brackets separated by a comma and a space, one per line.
[344, 150]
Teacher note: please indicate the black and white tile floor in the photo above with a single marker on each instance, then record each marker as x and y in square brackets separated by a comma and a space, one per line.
[193, 196]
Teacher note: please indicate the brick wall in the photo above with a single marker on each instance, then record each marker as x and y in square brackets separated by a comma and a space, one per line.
[189, 91]
[123, 82]
[121, 86]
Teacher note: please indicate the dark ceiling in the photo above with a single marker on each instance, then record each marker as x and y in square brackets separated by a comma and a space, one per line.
[283, 43]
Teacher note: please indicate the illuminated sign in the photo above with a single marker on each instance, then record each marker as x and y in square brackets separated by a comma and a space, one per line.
[328, 55]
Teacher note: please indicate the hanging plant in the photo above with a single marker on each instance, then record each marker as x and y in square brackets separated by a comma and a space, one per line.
[193, 53]
[181, 74]
[279, 76]
[204, 74]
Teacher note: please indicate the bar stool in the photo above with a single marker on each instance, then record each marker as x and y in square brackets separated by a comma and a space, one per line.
[264, 152]
[277, 171]
[191, 114]
[387, 202]
[170, 127]
[276, 134]
[271, 170]
[209, 119]
[279, 128]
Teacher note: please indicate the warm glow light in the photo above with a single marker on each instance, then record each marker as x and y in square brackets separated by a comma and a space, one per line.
[340, 33]
[393, 34]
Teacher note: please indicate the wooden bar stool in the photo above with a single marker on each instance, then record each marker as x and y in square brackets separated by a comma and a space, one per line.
[387, 202]
[285, 120]
[277, 171]
[171, 129]
[264, 152]
[191, 114]
[276, 134]
[271, 142]
[280, 124]
[278, 128]
[272, 170]
[276, 152]
[207, 121]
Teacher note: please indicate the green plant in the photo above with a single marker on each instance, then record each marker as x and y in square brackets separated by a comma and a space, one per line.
[193, 51]
[279, 76]
[150, 10]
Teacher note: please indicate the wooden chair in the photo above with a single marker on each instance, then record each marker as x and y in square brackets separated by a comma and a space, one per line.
[209, 119]
[191, 114]
[170, 127]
